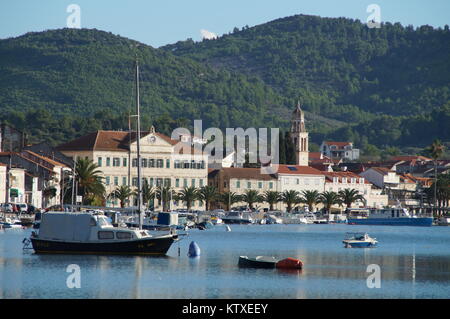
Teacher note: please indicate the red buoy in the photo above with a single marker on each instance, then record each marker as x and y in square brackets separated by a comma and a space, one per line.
[290, 263]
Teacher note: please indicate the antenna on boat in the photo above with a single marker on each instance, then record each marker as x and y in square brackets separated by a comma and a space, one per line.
[73, 181]
[138, 147]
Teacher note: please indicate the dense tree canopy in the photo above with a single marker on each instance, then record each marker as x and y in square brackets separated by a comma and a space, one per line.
[379, 88]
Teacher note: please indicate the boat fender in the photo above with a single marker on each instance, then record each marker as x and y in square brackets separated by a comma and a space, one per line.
[227, 228]
[194, 249]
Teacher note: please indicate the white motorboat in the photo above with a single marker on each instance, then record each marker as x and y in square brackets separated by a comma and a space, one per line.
[444, 221]
[85, 233]
[272, 219]
[235, 217]
[359, 240]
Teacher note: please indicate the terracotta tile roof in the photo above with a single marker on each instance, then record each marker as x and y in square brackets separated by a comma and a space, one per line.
[315, 156]
[23, 156]
[411, 158]
[166, 138]
[424, 181]
[243, 173]
[320, 166]
[406, 179]
[382, 170]
[107, 141]
[49, 160]
[298, 170]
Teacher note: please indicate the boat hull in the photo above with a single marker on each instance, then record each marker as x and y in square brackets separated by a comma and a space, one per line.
[236, 221]
[8, 225]
[149, 246]
[423, 221]
[246, 262]
[359, 244]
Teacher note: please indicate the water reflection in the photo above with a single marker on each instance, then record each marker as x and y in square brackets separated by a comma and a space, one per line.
[413, 263]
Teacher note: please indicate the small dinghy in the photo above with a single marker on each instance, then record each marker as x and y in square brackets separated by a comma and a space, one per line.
[258, 262]
[270, 262]
[359, 240]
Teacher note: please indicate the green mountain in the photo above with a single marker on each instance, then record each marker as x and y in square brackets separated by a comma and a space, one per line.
[75, 81]
[392, 70]
[391, 77]
[377, 87]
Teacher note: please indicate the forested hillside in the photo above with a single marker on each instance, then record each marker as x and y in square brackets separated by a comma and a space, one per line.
[388, 79]
[384, 88]
[60, 83]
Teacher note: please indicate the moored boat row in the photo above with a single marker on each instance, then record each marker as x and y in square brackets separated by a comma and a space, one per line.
[86, 233]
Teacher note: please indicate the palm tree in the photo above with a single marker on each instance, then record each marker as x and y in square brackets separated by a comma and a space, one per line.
[329, 199]
[310, 198]
[148, 192]
[165, 194]
[48, 193]
[442, 190]
[229, 198]
[251, 197]
[290, 198]
[436, 150]
[271, 197]
[207, 194]
[349, 196]
[188, 195]
[89, 180]
[122, 193]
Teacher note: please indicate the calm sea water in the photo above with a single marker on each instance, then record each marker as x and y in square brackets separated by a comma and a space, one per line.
[414, 263]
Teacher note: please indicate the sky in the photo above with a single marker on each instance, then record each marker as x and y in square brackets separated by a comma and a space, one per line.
[161, 22]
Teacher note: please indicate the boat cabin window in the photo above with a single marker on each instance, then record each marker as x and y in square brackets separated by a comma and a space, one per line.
[105, 235]
[123, 235]
[102, 221]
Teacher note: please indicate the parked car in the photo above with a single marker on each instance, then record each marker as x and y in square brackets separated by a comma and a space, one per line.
[7, 208]
[22, 208]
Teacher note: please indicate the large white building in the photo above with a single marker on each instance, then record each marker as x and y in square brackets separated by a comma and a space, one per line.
[338, 181]
[3, 172]
[339, 150]
[299, 178]
[288, 177]
[165, 162]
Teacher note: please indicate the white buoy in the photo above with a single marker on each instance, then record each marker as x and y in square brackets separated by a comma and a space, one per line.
[227, 228]
[194, 250]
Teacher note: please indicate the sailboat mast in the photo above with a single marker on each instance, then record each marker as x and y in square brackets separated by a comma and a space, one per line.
[138, 148]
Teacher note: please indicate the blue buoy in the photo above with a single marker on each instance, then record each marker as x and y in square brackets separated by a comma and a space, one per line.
[194, 250]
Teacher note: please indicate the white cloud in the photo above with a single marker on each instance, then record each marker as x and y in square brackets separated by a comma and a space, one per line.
[207, 34]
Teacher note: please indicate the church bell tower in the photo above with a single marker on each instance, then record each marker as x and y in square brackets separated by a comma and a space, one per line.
[299, 136]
